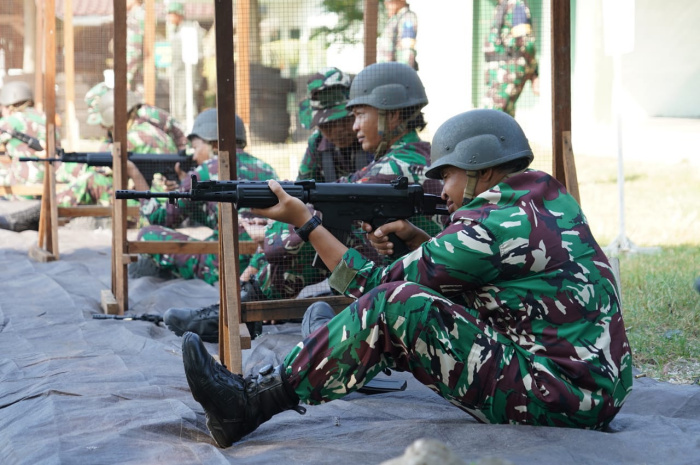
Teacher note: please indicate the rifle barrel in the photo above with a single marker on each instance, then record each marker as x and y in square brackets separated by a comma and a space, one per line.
[127, 194]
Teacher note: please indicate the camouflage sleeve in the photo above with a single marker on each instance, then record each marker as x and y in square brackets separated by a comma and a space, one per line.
[458, 259]
[308, 168]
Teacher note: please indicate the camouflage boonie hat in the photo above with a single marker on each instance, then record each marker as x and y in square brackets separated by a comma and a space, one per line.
[175, 7]
[327, 93]
[92, 100]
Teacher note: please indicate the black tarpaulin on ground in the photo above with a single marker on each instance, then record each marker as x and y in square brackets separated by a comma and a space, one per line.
[78, 390]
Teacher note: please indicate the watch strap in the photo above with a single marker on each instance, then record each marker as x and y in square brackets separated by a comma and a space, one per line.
[306, 229]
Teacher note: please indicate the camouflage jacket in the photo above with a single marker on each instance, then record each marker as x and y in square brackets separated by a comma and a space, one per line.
[161, 119]
[407, 157]
[32, 123]
[320, 151]
[521, 258]
[398, 39]
[134, 43]
[511, 37]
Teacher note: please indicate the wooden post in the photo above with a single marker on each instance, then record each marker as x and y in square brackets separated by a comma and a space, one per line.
[149, 59]
[230, 313]
[119, 150]
[371, 28]
[242, 64]
[46, 248]
[69, 65]
[561, 84]
[39, 54]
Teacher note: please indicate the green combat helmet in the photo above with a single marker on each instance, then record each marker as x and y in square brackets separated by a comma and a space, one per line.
[388, 86]
[476, 140]
[327, 93]
[14, 93]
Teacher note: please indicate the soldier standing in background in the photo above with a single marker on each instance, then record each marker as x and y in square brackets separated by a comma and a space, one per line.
[398, 39]
[180, 32]
[510, 56]
[135, 17]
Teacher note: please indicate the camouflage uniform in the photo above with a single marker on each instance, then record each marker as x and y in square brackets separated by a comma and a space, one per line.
[165, 217]
[510, 55]
[512, 314]
[134, 45]
[398, 39]
[289, 258]
[149, 130]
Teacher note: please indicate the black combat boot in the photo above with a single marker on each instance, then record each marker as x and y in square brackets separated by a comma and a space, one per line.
[202, 321]
[234, 406]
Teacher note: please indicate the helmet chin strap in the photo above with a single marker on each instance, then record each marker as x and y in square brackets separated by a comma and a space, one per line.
[470, 188]
[388, 136]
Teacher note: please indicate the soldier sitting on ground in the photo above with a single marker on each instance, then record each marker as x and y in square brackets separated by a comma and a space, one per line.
[512, 313]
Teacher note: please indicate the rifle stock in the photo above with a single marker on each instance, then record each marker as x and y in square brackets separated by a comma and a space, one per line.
[340, 203]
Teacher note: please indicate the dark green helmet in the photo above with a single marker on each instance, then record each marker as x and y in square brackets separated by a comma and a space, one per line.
[241, 138]
[477, 139]
[15, 92]
[206, 128]
[106, 106]
[387, 86]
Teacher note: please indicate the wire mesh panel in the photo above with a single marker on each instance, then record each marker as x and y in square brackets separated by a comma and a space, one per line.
[294, 65]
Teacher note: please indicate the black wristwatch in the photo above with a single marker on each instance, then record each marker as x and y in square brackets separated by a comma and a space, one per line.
[306, 229]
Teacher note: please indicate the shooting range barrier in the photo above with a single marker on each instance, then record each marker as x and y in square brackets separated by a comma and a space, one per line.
[261, 75]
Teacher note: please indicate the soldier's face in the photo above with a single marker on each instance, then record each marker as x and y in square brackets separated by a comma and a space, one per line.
[202, 150]
[454, 181]
[339, 132]
[366, 127]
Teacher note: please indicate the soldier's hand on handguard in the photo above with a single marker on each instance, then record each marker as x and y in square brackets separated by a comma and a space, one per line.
[289, 210]
[133, 172]
[404, 230]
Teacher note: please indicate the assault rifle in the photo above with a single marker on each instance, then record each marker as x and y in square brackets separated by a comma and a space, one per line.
[152, 317]
[32, 142]
[340, 203]
[148, 163]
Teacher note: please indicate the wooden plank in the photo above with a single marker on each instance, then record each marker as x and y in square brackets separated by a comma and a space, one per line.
[120, 281]
[229, 315]
[48, 199]
[286, 309]
[371, 20]
[570, 166]
[40, 255]
[36, 190]
[149, 58]
[561, 83]
[184, 247]
[39, 56]
[93, 210]
[71, 131]
[108, 302]
[242, 65]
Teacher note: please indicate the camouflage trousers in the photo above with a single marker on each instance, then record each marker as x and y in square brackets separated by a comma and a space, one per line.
[504, 82]
[88, 188]
[188, 266]
[407, 327]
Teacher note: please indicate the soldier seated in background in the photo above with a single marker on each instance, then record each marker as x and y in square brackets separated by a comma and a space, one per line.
[398, 151]
[512, 313]
[164, 217]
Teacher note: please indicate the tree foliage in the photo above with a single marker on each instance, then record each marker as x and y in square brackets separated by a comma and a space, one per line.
[350, 16]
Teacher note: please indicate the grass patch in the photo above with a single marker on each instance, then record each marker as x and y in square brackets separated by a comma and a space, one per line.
[661, 309]
[662, 209]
